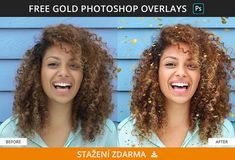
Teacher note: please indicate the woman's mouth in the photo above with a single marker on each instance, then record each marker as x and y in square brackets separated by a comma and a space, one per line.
[62, 85]
[180, 87]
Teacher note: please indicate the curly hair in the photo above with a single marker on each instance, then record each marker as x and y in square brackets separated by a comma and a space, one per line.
[210, 103]
[93, 103]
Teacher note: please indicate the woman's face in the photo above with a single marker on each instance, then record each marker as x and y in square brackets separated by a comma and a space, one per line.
[179, 74]
[61, 74]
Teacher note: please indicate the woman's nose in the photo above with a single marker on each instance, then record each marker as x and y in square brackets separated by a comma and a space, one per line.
[63, 72]
[181, 72]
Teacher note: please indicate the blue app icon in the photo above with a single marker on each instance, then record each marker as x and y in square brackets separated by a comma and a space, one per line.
[198, 8]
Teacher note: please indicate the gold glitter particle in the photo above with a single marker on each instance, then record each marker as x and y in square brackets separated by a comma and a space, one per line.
[205, 56]
[159, 18]
[211, 109]
[227, 30]
[211, 36]
[119, 70]
[149, 100]
[134, 41]
[231, 115]
[224, 20]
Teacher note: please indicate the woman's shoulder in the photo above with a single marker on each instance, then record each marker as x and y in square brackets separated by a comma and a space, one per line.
[128, 136]
[227, 129]
[8, 128]
[126, 123]
[109, 136]
[110, 126]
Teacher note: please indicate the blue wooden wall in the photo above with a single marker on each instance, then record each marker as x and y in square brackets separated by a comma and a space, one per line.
[126, 38]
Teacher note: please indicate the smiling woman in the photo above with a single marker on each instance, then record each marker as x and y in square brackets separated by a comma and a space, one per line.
[179, 74]
[181, 91]
[61, 74]
[63, 93]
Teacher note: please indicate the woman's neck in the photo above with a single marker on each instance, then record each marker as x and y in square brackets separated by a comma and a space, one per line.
[59, 125]
[177, 114]
[59, 114]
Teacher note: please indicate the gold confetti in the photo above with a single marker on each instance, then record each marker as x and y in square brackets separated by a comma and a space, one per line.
[231, 115]
[211, 109]
[119, 70]
[120, 27]
[134, 41]
[159, 18]
[227, 30]
[224, 20]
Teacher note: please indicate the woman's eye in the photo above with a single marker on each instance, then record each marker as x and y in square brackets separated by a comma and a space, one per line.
[52, 65]
[74, 66]
[170, 65]
[192, 66]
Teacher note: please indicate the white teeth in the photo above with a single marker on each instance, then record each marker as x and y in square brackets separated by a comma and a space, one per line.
[62, 84]
[180, 84]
